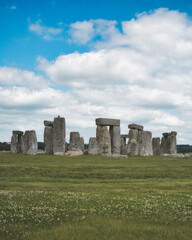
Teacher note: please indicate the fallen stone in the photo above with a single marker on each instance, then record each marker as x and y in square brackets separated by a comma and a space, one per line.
[74, 153]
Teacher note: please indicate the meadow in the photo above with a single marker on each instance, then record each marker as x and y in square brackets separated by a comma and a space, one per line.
[95, 197]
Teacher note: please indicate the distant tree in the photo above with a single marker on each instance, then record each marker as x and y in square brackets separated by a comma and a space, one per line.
[184, 148]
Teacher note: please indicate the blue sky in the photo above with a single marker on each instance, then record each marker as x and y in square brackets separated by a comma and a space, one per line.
[129, 60]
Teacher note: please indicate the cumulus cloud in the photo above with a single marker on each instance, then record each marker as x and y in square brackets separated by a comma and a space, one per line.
[47, 33]
[15, 76]
[140, 74]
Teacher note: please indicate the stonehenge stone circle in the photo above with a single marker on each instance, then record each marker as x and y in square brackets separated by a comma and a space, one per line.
[29, 142]
[59, 136]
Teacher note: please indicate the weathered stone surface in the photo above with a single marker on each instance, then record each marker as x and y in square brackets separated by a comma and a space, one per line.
[74, 153]
[103, 139]
[156, 146]
[29, 142]
[18, 132]
[135, 126]
[93, 148]
[82, 143]
[14, 141]
[74, 143]
[133, 134]
[107, 122]
[173, 143]
[48, 123]
[124, 150]
[59, 136]
[145, 143]
[133, 147]
[115, 139]
[166, 134]
[48, 140]
[124, 135]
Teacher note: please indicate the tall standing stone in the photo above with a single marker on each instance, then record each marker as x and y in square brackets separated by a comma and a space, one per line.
[133, 144]
[169, 143]
[29, 142]
[173, 143]
[59, 136]
[93, 148]
[115, 140]
[156, 146]
[74, 143]
[16, 142]
[82, 143]
[103, 139]
[145, 143]
[48, 140]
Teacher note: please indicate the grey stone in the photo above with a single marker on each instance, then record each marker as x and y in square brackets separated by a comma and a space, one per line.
[145, 143]
[29, 143]
[169, 143]
[82, 143]
[124, 150]
[14, 141]
[48, 123]
[74, 143]
[74, 153]
[59, 136]
[133, 134]
[18, 132]
[124, 135]
[115, 139]
[48, 140]
[93, 148]
[156, 146]
[104, 140]
[135, 126]
[173, 143]
[133, 147]
[107, 122]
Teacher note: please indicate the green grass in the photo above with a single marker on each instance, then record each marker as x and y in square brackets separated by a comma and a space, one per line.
[94, 197]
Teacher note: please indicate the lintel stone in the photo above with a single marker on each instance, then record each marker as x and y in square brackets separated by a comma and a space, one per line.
[124, 136]
[107, 122]
[135, 126]
[48, 123]
[18, 132]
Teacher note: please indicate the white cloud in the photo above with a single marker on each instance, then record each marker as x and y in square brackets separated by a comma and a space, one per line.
[14, 76]
[47, 33]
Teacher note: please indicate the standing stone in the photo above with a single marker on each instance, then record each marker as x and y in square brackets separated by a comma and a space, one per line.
[74, 143]
[93, 148]
[133, 145]
[82, 143]
[124, 150]
[115, 140]
[165, 144]
[59, 136]
[156, 146]
[145, 143]
[104, 140]
[173, 143]
[48, 139]
[16, 142]
[29, 143]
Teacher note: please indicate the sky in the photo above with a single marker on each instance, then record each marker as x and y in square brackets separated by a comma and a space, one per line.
[83, 59]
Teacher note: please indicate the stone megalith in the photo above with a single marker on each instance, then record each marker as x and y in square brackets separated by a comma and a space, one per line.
[16, 141]
[29, 142]
[133, 143]
[59, 136]
[156, 146]
[124, 150]
[145, 143]
[82, 147]
[169, 143]
[74, 143]
[93, 148]
[48, 140]
[108, 140]
[104, 140]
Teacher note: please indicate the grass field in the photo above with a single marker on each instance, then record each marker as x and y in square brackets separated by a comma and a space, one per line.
[95, 197]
